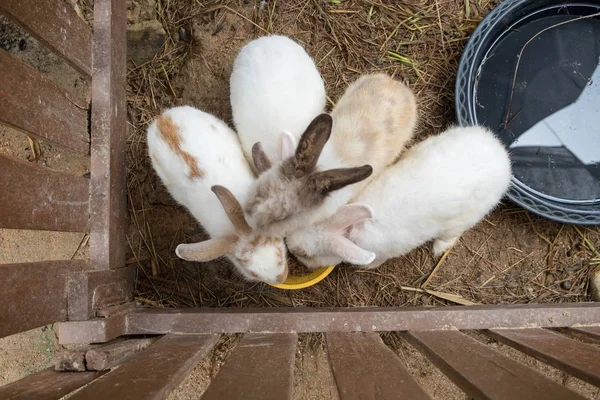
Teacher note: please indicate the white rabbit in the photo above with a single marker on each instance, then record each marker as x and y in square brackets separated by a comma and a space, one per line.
[370, 126]
[440, 188]
[276, 90]
[196, 154]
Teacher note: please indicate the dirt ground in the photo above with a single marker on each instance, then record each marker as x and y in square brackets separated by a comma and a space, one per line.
[511, 257]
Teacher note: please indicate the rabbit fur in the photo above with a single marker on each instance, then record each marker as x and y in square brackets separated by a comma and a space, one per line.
[276, 91]
[369, 127]
[200, 161]
[440, 188]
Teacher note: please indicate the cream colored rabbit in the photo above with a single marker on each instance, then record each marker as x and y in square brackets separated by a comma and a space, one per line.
[369, 127]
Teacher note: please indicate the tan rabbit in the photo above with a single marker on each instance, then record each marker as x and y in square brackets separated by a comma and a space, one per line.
[369, 127]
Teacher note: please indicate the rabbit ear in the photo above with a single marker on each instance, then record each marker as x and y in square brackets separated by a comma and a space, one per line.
[311, 144]
[334, 179]
[288, 145]
[349, 252]
[346, 216]
[260, 159]
[207, 250]
[233, 209]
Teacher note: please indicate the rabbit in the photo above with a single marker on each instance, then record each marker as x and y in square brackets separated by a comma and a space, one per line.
[200, 161]
[276, 91]
[369, 127]
[440, 188]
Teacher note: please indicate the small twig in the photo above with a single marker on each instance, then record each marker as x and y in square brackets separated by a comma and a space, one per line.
[587, 242]
[78, 246]
[445, 296]
[440, 261]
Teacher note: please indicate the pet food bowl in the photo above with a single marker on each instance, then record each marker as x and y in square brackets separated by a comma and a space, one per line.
[301, 282]
[531, 73]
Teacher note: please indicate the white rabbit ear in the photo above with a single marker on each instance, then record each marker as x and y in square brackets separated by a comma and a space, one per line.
[349, 252]
[207, 250]
[288, 145]
[348, 215]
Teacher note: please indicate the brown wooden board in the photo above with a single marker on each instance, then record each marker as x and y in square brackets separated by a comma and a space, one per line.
[482, 372]
[98, 330]
[34, 197]
[112, 354]
[579, 359]
[153, 373]
[261, 367]
[109, 130]
[366, 319]
[72, 360]
[590, 333]
[56, 25]
[365, 368]
[93, 290]
[34, 294]
[36, 105]
[46, 385]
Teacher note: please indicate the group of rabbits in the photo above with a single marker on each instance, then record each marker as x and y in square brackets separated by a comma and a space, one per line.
[339, 187]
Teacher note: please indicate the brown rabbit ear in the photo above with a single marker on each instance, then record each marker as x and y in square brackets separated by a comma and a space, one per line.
[207, 250]
[311, 144]
[233, 209]
[260, 159]
[335, 179]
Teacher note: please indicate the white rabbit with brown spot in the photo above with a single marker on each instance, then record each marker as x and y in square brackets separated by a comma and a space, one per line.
[440, 188]
[336, 156]
[200, 161]
[276, 91]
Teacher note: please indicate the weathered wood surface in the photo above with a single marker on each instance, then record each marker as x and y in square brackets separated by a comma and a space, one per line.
[482, 372]
[34, 294]
[261, 367]
[154, 372]
[34, 197]
[55, 24]
[36, 105]
[109, 131]
[365, 368]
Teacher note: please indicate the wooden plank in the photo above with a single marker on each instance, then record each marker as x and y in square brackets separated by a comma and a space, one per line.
[47, 385]
[112, 354]
[365, 368]
[34, 294]
[365, 319]
[57, 26]
[153, 373]
[261, 367]
[98, 330]
[71, 360]
[36, 105]
[34, 197]
[109, 129]
[93, 290]
[482, 372]
[576, 358]
[590, 333]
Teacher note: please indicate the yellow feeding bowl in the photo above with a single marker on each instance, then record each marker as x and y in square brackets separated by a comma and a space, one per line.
[300, 282]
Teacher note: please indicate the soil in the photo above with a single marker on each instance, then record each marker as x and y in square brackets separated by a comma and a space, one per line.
[511, 257]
